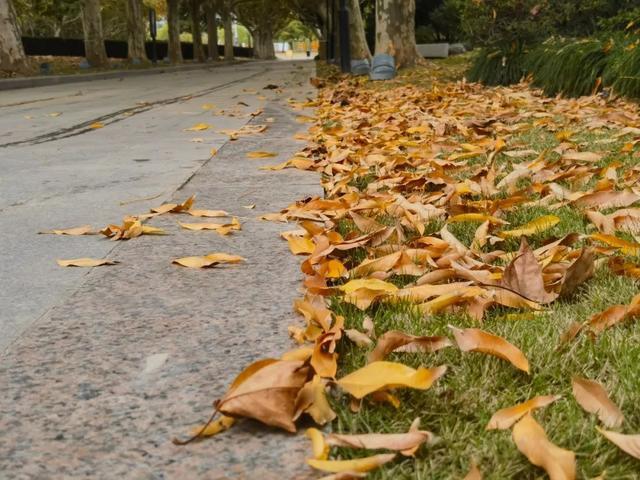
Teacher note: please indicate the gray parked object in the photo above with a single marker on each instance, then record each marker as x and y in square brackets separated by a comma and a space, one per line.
[456, 49]
[383, 67]
[360, 67]
[433, 50]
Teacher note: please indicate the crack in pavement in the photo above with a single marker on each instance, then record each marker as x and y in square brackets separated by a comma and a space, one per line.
[125, 113]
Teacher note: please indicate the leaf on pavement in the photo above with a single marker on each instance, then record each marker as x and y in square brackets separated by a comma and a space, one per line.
[221, 228]
[96, 125]
[83, 230]
[261, 154]
[266, 391]
[198, 127]
[506, 417]
[300, 245]
[175, 207]
[476, 340]
[210, 260]
[627, 443]
[86, 262]
[207, 213]
[381, 375]
[219, 425]
[594, 399]
[532, 441]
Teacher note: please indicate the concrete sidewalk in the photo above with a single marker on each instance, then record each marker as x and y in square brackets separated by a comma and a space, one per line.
[99, 386]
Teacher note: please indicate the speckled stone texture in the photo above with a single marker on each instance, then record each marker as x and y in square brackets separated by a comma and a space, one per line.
[98, 387]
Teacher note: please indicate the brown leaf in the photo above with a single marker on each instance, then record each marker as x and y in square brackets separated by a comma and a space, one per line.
[506, 417]
[84, 230]
[474, 473]
[579, 272]
[395, 340]
[594, 399]
[266, 391]
[524, 276]
[476, 340]
[532, 441]
[607, 199]
[627, 443]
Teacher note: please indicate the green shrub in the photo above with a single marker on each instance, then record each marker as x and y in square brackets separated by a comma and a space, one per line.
[623, 71]
[496, 67]
[568, 67]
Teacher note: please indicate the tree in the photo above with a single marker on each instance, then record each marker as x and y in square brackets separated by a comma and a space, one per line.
[359, 48]
[226, 12]
[263, 18]
[12, 57]
[196, 31]
[395, 31]
[211, 9]
[136, 30]
[94, 49]
[173, 22]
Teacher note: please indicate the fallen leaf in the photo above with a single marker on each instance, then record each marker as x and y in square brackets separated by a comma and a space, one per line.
[476, 340]
[532, 441]
[207, 213]
[593, 398]
[474, 473]
[261, 154]
[312, 399]
[382, 375]
[396, 341]
[318, 445]
[198, 127]
[506, 417]
[301, 245]
[627, 443]
[210, 260]
[84, 230]
[220, 425]
[86, 262]
[538, 225]
[524, 276]
[358, 465]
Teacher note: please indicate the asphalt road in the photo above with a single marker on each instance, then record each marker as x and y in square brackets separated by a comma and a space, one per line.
[56, 172]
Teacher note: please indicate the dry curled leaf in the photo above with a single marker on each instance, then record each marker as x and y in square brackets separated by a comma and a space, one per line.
[86, 262]
[506, 417]
[594, 399]
[627, 443]
[312, 399]
[524, 276]
[396, 341]
[210, 260]
[382, 375]
[365, 464]
[476, 340]
[532, 441]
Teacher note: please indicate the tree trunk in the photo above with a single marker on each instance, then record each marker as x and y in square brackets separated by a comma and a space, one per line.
[395, 31]
[212, 31]
[263, 44]
[12, 57]
[136, 30]
[196, 31]
[173, 20]
[359, 48]
[94, 49]
[228, 35]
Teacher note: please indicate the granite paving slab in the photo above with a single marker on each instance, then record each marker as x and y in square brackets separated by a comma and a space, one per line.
[99, 386]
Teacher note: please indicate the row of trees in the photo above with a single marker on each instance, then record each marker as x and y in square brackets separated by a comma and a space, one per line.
[394, 25]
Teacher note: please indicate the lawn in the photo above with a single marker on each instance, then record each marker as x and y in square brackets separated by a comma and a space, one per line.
[445, 144]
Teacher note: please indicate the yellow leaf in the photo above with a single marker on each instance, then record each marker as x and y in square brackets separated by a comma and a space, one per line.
[85, 262]
[318, 445]
[261, 154]
[529, 437]
[506, 417]
[208, 260]
[335, 269]
[538, 225]
[198, 127]
[476, 340]
[312, 399]
[96, 125]
[369, 283]
[385, 375]
[625, 246]
[207, 213]
[218, 426]
[149, 230]
[358, 465]
[476, 217]
[300, 245]
[84, 230]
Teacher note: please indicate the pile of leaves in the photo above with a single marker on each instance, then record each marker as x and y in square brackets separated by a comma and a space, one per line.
[437, 205]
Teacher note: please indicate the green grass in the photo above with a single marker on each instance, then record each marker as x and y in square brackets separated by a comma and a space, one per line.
[457, 408]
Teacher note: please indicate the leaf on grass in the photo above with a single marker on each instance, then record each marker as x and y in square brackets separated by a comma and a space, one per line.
[396, 341]
[474, 473]
[613, 315]
[86, 262]
[476, 217]
[593, 398]
[538, 225]
[382, 375]
[261, 154]
[83, 230]
[505, 417]
[524, 276]
[363, 291]
[627, 443]
[405, 443]
[266, 391]
[476, 340]
[607, 199]
[626, 247]
[312, 399]
[532, 441]
[365, 464]
[210, 260]
[578, 272]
